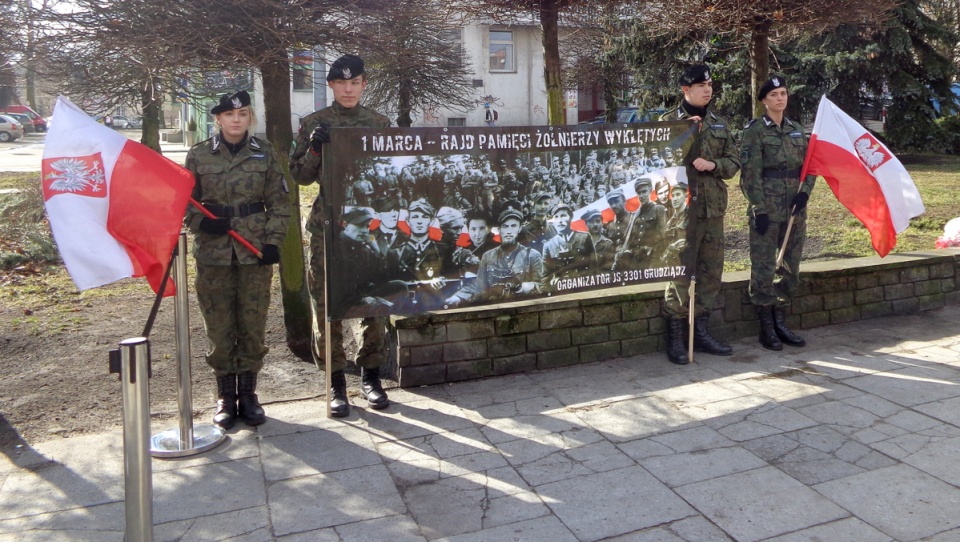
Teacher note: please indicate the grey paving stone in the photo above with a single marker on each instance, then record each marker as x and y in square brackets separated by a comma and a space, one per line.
[947, 410]
[326, 500]
[759, 504]
[900, 500]
[58, 487]
[681, 469]
[238, 445]
[699, 529]
[249, 525]
[844, 529]
[628, 420]
[693, 439]
[392, 529]
[563, 464]
[544, 528]
[501, 430]
[939, 459]
[403, 421]
[303, 454]
[106, 520]
[907, 387]
[208, 490]
[598, 506]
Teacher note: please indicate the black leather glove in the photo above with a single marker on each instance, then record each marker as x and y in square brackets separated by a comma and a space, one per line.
[214, 226]
[319, 137]
[271, 255]
[799, 202]
[761, 223]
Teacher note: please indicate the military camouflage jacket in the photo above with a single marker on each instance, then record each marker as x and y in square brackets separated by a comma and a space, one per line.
[715, 144]
[250, 177]
[772, 157]
[305, 165]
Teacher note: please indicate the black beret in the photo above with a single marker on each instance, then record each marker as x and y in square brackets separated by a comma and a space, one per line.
[235, 100]
[694, 74]
[773, 83]
[346, 67]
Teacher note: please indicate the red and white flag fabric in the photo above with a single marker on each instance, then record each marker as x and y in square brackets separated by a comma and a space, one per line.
[864, 175]
[115, 206]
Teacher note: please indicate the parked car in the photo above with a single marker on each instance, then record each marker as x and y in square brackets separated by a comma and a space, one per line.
[39, 123]
[10, 129]
[120, 122]
[135, 122]
[630, 114]
[28, 127]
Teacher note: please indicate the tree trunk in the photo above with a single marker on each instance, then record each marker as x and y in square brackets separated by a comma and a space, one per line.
[150, 104]
[759, 62]
[297, 316]
[549, 19]
[404, 120]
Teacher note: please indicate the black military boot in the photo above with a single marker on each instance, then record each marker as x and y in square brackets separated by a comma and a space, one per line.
[768, 336]
[226, 414]
[339, 406]
[371, 388]
[248, 407]
[786, 336]
[704, 342]
[676, 342]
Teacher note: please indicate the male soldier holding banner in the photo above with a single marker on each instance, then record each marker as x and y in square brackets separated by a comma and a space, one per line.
[712, 159]
[347, 80]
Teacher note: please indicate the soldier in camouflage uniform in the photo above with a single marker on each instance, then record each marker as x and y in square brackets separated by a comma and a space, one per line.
[772, 153]
[238, 180]
[712, 159]
[347, 80]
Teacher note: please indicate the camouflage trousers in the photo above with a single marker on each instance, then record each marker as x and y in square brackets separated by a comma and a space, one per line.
[372, 352]
[708, 254]
[234, 301]
[769, 285]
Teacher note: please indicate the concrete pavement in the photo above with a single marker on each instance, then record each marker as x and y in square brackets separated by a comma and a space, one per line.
[853, 438]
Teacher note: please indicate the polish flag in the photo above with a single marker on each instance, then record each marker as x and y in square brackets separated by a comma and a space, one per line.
[864, 175]
[115, 206]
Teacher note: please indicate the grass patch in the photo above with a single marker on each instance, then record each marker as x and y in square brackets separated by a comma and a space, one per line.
[833, 232]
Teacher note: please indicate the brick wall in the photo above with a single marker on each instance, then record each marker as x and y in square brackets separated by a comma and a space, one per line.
[460, 345]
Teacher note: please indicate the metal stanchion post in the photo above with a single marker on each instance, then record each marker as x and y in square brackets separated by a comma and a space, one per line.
[137, 469]
[187, 439]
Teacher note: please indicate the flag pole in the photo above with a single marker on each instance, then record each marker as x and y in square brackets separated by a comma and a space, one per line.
[246, 244]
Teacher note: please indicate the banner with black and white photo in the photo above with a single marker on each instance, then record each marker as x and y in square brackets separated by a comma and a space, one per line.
[426, 219]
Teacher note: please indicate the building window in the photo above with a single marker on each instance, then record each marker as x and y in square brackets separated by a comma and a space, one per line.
[452, 46]
[302, 70]
[456, 121]
[501, 51]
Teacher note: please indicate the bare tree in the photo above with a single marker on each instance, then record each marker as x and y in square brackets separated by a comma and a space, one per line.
[416, 55]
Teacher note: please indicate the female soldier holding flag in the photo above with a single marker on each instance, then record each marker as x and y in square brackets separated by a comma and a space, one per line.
[238, 180]
[771, 156]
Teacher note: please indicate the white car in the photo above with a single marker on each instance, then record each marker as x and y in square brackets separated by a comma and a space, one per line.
[10, 129]
[120, 122]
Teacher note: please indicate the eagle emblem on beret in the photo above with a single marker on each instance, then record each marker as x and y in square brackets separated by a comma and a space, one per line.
[347, 74]
[706, 75]
[776, 82]
[235, 102]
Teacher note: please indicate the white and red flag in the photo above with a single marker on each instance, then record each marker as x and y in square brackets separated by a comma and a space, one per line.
[864, 175]
[115, 206]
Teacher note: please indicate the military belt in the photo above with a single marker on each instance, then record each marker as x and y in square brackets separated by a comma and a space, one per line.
[227, 211]
[771, 173]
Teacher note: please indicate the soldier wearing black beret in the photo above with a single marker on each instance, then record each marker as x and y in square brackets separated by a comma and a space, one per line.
[347, 79]
[713, 159]
[772, 153]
